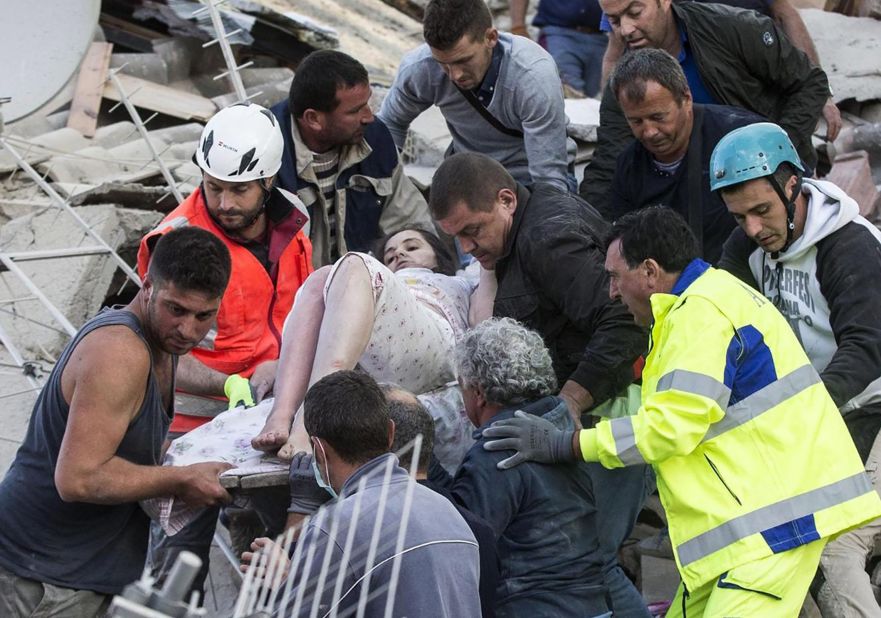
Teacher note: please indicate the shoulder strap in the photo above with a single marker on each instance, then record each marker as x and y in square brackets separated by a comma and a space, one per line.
[695, 176]
[495, 122]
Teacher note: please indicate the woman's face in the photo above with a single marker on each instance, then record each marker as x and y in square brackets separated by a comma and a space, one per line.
[408, 249]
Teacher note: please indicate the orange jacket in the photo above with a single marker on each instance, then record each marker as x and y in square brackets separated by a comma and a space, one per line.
[254, 308]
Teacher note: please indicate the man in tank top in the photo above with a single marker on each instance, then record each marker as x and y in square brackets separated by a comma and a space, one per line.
[72, 533]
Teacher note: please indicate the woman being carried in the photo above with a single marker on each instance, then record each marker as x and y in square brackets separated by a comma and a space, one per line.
[399, 320]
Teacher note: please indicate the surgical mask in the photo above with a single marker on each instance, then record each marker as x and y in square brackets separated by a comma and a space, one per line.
[318, 478]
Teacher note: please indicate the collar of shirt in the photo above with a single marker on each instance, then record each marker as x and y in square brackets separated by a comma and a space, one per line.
[484, 92]
[689, 274]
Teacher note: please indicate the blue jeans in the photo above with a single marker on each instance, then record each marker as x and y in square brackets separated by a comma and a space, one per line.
[619, 495]
[578, 55]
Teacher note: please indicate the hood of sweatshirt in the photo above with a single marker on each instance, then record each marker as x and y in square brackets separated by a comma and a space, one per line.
[829, 209]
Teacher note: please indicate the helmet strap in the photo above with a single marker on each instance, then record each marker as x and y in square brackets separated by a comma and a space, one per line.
[789, 203]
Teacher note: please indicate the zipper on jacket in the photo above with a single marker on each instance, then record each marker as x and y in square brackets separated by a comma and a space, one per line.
[719, 476]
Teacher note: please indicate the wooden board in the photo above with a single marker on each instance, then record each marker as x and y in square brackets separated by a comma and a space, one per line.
[89, 89]
[162, 99]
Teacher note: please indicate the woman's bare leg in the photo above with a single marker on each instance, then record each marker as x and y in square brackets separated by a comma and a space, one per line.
[343, 337]
[298, 344]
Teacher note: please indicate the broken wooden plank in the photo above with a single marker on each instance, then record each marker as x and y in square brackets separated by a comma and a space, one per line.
[162, 99]
[89, 89]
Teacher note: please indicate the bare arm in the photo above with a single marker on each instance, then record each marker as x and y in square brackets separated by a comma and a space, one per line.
[105, 382]
[613, 52]
[483, 297]
[197, 378]
[517, 9]
[790, 21]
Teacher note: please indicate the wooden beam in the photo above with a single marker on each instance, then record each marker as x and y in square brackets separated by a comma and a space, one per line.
[89, 89]
[162, 99]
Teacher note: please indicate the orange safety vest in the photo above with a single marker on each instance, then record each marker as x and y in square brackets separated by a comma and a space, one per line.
[253, 309]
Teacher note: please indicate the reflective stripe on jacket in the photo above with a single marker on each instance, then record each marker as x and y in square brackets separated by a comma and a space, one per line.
[253, 309]
[751, 454]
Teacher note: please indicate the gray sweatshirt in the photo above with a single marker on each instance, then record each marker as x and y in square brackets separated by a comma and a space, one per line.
[528, 97]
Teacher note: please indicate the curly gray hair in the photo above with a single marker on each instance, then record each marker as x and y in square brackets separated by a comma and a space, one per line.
[507, 361]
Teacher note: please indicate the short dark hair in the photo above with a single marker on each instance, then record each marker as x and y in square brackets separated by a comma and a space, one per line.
[782, 174]
[319, 76]
[445, 263]
[655, 232]
[467, 177]
[411, 419]
[447, 21]
[191, 258]
[640, 66]
[347, 409]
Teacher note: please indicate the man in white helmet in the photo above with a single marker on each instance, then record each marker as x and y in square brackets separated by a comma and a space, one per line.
[240, 153]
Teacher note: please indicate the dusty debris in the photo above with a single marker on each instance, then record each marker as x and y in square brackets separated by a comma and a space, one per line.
[849, 48]
[77, 286]
[853, 174]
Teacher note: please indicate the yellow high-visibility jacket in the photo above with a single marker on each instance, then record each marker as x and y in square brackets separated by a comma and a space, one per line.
[752, 456]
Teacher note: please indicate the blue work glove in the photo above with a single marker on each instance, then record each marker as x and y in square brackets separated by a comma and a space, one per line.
[239, 392]
[533, 437]
[306, 495]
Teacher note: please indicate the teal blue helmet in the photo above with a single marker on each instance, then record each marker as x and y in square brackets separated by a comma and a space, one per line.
[751, 152]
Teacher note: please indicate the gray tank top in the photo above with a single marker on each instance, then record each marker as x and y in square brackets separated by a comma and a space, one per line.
[75, 544]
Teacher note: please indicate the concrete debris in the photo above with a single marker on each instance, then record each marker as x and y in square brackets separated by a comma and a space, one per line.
[43, 147]
[127, 195]
[584, 118]
[853, 174]
[130, 161]
[428, 139]
[862, 137]
[151, 67]
[77, 286]
[849, 48]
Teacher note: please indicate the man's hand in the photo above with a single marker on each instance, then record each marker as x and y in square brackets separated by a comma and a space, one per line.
[306, 496]
[534, 439]
[200, 485]
[832, 115]
[276, 561]
[239, 391]
[263, 379]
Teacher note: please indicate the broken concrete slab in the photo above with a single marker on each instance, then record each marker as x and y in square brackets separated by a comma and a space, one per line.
[180, 54]
[116, 134]
[267, 94]
[42, 147]
[849, 49]
[865, 136]
[151, 67]
[428, 139]
[76, 285]
[127, 195]
[131, 161]
[35, 125]
[853, 174]
[584, 118]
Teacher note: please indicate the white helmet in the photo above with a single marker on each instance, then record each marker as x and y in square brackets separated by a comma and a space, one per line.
[240, 143]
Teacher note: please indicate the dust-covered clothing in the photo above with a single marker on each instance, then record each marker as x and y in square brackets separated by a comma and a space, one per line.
[418, 317]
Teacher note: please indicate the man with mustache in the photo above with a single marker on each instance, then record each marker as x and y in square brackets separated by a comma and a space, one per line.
[341, 160]
[666, 164]
[729, 56]
[240, 153]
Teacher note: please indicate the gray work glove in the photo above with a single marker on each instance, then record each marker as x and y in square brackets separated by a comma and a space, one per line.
[534, 438]
[306, 495]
